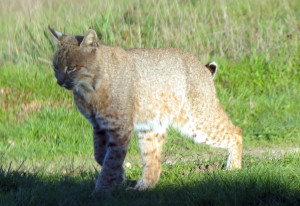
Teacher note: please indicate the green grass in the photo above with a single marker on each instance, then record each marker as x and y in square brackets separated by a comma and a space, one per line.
[270, 182]
[46, 151]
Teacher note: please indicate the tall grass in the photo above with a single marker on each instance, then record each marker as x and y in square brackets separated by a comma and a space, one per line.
[208, 29]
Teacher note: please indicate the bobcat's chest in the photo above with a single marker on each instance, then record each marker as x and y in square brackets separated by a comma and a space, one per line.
[98, 110]
[85, 107]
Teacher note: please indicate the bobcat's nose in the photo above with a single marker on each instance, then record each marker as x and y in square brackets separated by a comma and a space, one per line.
[60, 82]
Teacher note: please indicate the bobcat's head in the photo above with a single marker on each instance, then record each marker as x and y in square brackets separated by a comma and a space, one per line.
[75, 62]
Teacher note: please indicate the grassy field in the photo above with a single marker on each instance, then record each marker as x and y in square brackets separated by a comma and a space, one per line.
[46, 151]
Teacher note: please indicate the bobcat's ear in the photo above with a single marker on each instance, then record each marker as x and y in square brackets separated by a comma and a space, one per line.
[56, 36]
[90, 39]
[213, 67]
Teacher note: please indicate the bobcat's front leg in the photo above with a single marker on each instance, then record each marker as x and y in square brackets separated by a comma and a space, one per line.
[100, 144]
[112, 172]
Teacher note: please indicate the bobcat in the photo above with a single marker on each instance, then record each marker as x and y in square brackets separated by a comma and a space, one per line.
[144, 90]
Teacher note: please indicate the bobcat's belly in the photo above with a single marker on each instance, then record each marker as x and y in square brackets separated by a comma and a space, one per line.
[193, 131]
[157, 112]
[159, 126]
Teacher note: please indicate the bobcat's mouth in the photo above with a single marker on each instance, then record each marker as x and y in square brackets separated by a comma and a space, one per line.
[65, 85]
[69, 87]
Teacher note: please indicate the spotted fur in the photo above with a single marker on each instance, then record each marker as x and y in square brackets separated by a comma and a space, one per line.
[145, 90]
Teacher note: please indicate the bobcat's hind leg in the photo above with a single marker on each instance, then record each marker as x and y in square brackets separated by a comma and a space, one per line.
[235, 150]
[230, 139]
[150, 143]
[224, 135]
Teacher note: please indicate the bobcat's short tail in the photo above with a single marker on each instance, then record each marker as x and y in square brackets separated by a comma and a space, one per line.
[213, 67]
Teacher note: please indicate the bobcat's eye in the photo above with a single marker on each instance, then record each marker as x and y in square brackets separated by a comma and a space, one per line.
[69, 70]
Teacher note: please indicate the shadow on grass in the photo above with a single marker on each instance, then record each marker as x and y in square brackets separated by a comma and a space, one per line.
[215, 188]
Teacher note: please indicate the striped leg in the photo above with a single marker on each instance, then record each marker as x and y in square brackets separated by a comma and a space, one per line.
[100, 144]
[150, 143]
[112, 172]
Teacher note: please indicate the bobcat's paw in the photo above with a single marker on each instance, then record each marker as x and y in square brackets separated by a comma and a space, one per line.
[144, 184]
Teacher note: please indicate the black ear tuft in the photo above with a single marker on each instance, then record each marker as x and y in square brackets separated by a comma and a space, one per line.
[56, 36]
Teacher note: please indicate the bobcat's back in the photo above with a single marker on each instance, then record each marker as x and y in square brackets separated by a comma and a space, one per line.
[167, 80]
